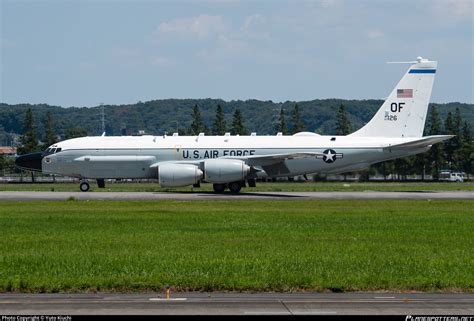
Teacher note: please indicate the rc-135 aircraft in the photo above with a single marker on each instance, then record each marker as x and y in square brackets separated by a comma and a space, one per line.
[230, 161]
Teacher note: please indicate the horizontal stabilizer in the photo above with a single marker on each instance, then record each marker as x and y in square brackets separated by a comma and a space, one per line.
[420, 143]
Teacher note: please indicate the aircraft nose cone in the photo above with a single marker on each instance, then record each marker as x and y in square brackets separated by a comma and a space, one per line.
[30, 162]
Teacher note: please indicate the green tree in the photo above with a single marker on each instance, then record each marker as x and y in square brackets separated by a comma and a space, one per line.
[74, 132]
[402, 167]
[298, 125]
[458, 123]
[49, 135]
[197, 126]
[419, 164]
[436, 153]
[3, 163]
[282, 123]
[219, 127]
[467, 149]
[29, 142]
[238, 127]
[457, 140]
[343, 126]
[450, 144]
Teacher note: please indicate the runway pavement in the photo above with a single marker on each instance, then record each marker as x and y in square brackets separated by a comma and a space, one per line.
[239, 303]
[191, 196]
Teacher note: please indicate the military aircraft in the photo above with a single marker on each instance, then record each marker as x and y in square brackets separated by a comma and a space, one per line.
[231, 162]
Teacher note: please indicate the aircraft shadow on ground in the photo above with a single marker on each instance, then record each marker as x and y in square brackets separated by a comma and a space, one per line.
[226, 195]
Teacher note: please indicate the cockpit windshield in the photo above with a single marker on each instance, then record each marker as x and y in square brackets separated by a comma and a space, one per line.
[52, 150]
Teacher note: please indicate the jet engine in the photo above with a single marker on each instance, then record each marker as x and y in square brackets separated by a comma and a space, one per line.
[174, 175]
[225, 170]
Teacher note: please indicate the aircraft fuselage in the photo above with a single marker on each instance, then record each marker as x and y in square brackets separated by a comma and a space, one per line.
[133, 156]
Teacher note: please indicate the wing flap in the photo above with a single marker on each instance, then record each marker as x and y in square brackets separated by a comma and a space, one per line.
[263, 160]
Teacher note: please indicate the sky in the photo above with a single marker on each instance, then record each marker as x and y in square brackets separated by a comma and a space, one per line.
[84, 53]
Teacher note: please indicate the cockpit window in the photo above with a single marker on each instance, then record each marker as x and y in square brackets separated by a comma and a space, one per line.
[52, 150]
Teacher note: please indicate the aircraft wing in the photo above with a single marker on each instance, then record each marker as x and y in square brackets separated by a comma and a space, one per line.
[422, 142]
[252, 160]
[263, 160]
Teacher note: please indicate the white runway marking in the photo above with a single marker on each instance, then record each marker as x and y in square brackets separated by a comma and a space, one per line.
[164, 299]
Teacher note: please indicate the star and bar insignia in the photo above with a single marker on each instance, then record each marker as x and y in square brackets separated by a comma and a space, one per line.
[330, 156]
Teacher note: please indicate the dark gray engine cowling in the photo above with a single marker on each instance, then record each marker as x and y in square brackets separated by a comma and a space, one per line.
[225, 170]
[175, 175]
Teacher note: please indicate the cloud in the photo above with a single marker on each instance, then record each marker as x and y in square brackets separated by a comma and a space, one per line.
[201, 27]
[225, 48]
[456, 8]
[329, 3]
[375, 34]
[160, 61]
[255, 27]
[252, 22]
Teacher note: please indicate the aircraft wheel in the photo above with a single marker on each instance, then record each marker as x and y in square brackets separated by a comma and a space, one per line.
[84, 186]
[235, 187]
[219, 188]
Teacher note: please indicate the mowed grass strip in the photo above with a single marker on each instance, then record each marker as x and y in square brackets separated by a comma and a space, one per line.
[340, 245]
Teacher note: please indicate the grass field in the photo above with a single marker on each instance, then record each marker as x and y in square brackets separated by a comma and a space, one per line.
[237, 245]
[261, 187]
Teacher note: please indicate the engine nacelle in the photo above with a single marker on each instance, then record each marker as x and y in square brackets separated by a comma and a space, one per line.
[175, 175]
[225, 170]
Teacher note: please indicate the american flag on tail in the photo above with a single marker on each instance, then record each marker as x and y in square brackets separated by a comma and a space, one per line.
[404, 93]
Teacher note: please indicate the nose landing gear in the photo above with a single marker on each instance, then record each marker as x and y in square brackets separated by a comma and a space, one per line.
[84, 186]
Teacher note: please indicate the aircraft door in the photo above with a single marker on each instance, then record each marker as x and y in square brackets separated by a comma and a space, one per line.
[177, 153]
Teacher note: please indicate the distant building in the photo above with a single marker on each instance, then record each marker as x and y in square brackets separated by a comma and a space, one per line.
[7, 150]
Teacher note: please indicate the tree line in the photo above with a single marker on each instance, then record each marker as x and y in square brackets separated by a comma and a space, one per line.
[159, 116]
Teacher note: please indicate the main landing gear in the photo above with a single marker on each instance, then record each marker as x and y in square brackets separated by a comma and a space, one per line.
[219, 188]
[234, 187]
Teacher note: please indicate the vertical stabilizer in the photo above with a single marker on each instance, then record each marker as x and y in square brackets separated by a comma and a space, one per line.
[403, 114]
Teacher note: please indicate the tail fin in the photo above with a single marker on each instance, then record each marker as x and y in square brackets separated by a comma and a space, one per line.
[403, 114]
